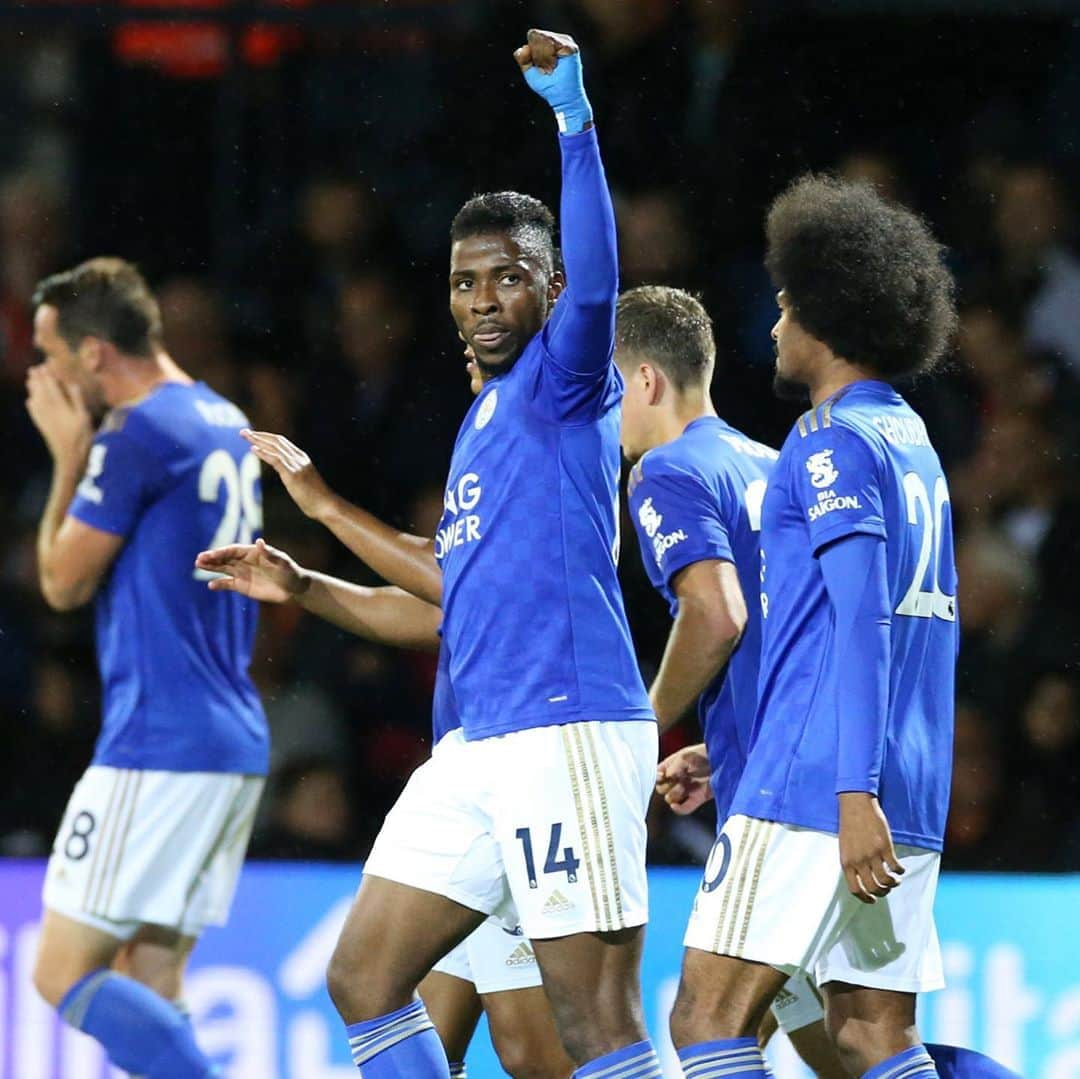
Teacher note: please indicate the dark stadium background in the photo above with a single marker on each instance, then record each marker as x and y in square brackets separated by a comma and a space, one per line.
[285, 174]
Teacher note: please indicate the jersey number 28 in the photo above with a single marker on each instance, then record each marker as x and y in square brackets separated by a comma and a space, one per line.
[241, 518]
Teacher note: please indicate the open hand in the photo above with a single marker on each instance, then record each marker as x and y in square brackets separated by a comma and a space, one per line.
[256, 570]
[301, 478]
[682, 779]
[60, 414]
[866, 848]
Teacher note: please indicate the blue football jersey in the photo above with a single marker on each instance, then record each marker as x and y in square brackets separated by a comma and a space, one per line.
[172, 476]
[696, 498]
[860, 462]
[533, 615]
[444, 713]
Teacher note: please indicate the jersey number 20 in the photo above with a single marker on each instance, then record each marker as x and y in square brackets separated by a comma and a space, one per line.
[242, 516]
[917, 602]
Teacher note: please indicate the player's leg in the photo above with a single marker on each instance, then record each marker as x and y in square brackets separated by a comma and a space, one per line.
[768, 894]
[593, 981]
[454, 1008]
[571, 826]
[817, 1052]
[721, 997]
[140, 1031]
[393, 936]
[432, 877]
[872, 967]
[496, 970]
[67, 952]
[874, 1030]
[157, 957]
[108, 873]
[525, 1036]
[799, 1012]
[504, 969]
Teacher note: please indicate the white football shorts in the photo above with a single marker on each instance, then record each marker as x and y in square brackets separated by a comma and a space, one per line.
[141, 847]
[775, 893]
[543, 827]
[494, 959]
[798, 1004]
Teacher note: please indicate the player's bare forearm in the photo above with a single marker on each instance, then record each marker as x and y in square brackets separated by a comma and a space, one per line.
[710, 621]
[698, 647]
[400, 558]
[405, 560]
[387, 616]
[58, 593]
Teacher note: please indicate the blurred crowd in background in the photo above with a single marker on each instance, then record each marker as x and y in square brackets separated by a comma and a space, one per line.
[288, 188]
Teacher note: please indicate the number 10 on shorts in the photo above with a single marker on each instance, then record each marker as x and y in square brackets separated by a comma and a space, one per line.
[568, 864]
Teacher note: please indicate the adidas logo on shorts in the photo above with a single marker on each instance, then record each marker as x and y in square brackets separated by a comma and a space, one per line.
[521, 956]
[784, 999]
[557, 904]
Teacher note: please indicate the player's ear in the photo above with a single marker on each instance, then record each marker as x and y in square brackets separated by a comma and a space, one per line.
[653, 382]
[91, 353]
[556, 284]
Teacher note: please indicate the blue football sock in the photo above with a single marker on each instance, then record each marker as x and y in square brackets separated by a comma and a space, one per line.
[732, 1058]
[911, 1063]
[637, 1061]
[401, 1045]
[140, 1031]
[955, 1063]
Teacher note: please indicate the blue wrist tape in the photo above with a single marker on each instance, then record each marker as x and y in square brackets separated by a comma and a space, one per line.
[564, 91]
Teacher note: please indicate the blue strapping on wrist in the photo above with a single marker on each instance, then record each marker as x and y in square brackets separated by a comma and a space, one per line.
[564, 91]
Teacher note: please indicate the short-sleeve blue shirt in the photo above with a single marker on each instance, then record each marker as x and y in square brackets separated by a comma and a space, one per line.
[698, 498]
[172, 476]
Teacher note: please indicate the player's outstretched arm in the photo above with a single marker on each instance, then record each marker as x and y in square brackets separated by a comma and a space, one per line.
[711, 619]
[580, 334]
[388, 615]
[402, 559]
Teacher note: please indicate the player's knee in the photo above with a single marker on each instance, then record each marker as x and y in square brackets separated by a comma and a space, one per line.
[591, 1033]
[860, 1043]
[684, 1023]
[342, 980]
[51, 981]
[521, 1058]
[360, 990]
[696, 1019]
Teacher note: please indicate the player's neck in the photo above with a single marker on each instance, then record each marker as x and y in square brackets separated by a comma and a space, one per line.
[834, 376]
[685, 410]
[134, 379]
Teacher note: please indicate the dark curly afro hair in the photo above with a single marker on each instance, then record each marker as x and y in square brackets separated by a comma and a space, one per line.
[863, 275]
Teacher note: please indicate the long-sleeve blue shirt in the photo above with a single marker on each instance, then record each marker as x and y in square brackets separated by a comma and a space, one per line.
[534, 627]
[859, 633]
